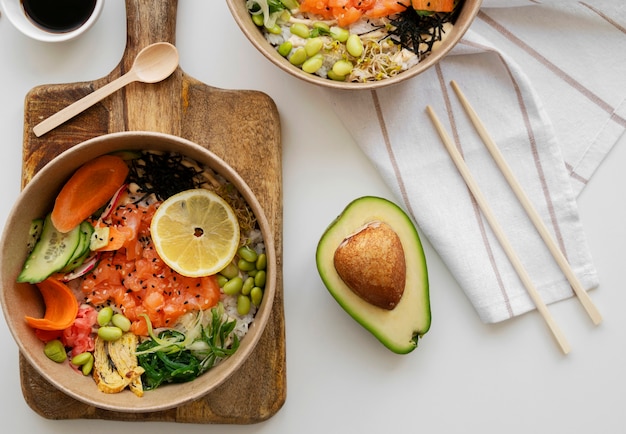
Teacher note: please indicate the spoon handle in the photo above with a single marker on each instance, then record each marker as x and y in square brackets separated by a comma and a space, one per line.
[82, 104]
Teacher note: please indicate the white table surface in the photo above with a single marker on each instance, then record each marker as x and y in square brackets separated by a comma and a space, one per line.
[465, 376]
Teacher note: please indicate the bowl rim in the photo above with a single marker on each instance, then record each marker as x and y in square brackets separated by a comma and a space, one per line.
[237, 8]
[70, 160]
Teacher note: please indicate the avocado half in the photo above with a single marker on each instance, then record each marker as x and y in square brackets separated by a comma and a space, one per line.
[400, 328]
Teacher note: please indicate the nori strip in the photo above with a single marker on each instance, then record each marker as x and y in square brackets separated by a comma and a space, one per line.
[162, 174]
[411, 28]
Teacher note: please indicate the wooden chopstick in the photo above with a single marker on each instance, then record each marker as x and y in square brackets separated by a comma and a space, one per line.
[497, 229]
[582, 295]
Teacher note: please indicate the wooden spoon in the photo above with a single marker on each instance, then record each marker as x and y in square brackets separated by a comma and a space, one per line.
[154, 63]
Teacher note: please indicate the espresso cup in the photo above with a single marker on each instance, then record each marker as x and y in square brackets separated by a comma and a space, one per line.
[52, 20]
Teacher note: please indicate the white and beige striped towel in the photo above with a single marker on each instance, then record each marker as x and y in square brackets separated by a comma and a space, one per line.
[549, 82]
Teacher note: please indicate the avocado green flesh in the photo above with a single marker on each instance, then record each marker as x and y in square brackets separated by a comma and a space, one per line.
[398, 329]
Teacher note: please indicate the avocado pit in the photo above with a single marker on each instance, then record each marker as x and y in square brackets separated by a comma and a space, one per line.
[371, 262]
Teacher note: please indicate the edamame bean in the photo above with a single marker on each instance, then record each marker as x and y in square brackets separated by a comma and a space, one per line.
[247, 254]
[221, 280]
[285, 48]
[259, 279]
[256, 295]
[274, 30]
[248, 284]
[320, 25]
[243, 305]
[342, 67]
[333, 76]
[230, 271]
[245, 265]
[354, 45]
[298, 57]
[300, 29]
[121, 321]
[233, 286]
[104, 316]
[87, 367]
[312, 64]
[55, 351]
[261, 262]
[285, 15]
[110, 333]
[258, 19]
[82, 358]
[313, 46]
[339, 34]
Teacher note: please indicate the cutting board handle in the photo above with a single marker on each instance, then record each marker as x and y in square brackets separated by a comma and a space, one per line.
[148, 21]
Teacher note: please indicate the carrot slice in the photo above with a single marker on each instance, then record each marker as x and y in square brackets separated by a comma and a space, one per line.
[89, 188]
[61, 306]
[433, 5]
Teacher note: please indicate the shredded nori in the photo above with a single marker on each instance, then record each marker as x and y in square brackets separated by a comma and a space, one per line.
[162, 174]
[411, 28]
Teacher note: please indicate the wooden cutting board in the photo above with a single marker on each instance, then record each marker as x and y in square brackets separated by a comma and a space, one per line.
[240, 126]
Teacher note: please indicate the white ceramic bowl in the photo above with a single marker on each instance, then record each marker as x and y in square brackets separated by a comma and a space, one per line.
[20, 299]
[14, 11]
[466, 16]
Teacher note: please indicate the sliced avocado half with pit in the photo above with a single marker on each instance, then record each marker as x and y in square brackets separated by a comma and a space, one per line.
[400, 327]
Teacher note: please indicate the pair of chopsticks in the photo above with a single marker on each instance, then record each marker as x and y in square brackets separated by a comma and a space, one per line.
[582, 295]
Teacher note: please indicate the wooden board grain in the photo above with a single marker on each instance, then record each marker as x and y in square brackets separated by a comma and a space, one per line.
[240, 126]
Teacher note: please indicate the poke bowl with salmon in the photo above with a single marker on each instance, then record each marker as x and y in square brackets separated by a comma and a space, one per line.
[138, 271]
[354, 44]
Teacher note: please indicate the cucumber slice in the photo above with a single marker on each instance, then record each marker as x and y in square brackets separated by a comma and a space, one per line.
[82, 250]
[34, 232]
[51, 253]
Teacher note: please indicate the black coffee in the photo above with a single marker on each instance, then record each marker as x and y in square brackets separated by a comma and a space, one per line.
[59, 16]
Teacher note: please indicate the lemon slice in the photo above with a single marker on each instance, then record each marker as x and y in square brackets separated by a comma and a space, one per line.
[195, 232]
